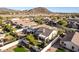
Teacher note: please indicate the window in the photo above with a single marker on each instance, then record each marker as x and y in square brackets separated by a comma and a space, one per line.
[62, 35]
[21, 24]
[64, 44]
[72, 47]
[78, 49]
[15, 22]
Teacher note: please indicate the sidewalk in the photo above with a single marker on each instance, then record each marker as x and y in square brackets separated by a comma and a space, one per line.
[9, 45]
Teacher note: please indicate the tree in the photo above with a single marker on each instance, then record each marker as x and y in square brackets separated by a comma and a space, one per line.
[62, 22]
[61, 31]
[55, 17]
[1, 22]
[32, 39]
[73, 16]
[18, 26]
[38, 19]
[8, 28]
[8, 18]
[13, 34]
[1, 17]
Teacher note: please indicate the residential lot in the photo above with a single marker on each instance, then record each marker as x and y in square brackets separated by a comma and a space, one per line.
[16, 49]
[24, 22]
[27, 35]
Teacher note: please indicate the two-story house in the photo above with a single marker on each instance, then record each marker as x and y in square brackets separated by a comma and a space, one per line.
[71, 41]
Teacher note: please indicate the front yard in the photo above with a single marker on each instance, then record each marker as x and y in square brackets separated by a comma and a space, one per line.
[20, 49]
[60, 50]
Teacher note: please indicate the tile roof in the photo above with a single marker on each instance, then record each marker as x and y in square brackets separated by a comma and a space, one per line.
[75, 19]
[45, 31]
[75, 38]
[68, 36]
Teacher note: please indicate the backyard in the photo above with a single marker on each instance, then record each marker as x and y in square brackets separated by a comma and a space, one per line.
[32, 39]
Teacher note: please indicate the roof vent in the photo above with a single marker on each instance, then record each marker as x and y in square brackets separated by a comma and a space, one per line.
[43, 30]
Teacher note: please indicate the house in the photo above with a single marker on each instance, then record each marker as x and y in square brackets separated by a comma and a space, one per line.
[28, 30]
[46, 33]
[1, 42]
[2, 35]
[24, 43]
[46, 20]
[1, 39]
[74, 19]
[34, 49]
[20, 34]
[73, 23]
[8, 22]
[50, 21]
[71, 41]
[53, 22]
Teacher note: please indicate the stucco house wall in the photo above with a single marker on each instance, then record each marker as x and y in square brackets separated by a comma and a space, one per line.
[53, 34]
[69, 45]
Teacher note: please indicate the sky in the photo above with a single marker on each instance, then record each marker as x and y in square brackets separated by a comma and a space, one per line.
[53, 9]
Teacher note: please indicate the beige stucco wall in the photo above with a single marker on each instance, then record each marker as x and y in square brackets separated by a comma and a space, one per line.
[69, 45]
[53, 34]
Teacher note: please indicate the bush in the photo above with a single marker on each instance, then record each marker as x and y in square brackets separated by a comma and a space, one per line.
[62, 22]
[61, 31]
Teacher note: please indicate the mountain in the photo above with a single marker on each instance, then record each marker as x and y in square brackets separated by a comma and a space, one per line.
[6, 11]
[38, 10]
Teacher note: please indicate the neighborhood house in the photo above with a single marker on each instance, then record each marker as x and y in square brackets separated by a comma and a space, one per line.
[71, 41]
[46, 33]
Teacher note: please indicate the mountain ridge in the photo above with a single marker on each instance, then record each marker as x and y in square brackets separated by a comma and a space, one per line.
[36, 10]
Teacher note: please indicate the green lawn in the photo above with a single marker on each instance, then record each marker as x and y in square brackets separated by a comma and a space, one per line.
[19, 49]
[60, 50]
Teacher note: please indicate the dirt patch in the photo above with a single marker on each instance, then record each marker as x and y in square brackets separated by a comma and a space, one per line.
[10, 49]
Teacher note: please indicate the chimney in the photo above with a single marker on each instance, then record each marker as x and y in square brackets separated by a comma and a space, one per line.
[43, 30]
